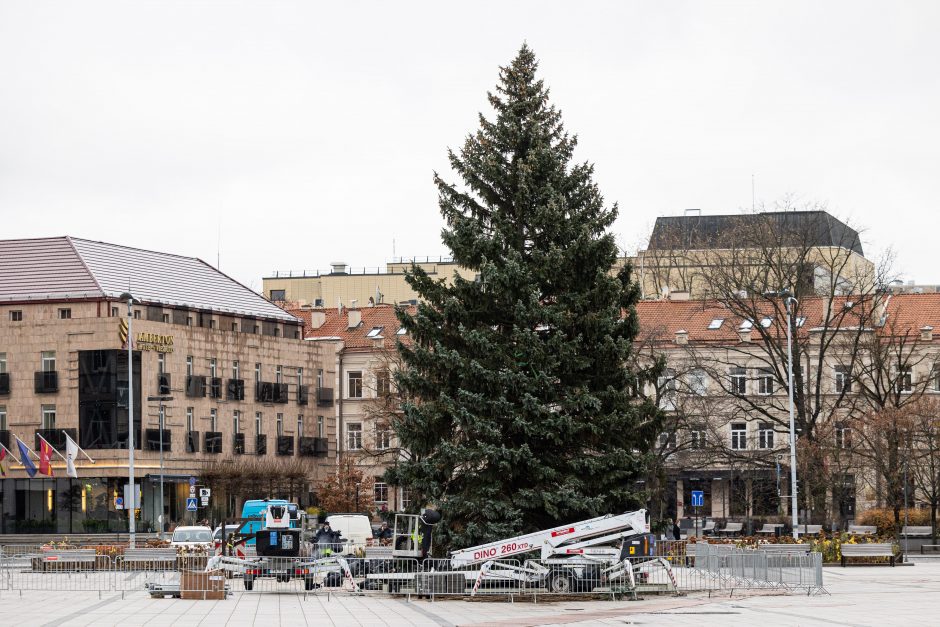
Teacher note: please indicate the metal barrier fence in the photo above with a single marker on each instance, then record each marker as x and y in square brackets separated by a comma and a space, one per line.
[680, 568]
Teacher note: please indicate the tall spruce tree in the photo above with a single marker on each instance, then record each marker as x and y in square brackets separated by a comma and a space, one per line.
[517, 406]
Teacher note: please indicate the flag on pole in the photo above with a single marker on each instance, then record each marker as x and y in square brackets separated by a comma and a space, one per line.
[25, 460]
[71, 452]
[45, 458]
[3, 461]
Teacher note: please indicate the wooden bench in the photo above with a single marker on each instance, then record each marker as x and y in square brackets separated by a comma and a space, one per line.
[872, 549]
[784, 549]
[809, 530]
[862, 530]
[731, 528]
[69, 559]
[930, 548]
[770, 528]
[149, 559]
[911, 531]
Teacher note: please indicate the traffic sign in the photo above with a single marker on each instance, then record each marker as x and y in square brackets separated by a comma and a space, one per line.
[118, 502]
[191, 505]
[192, 481]
[205, 501]
[698, 498]
[205, 492]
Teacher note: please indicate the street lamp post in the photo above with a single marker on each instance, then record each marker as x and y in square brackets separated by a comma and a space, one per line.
[788, 302]
[132, 531]
[161, 399]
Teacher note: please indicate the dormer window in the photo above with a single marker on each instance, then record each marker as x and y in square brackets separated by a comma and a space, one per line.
[716, 324]
[375, 332]
[746, 325]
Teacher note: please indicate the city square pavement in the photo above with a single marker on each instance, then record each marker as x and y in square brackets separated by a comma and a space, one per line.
[861, 595]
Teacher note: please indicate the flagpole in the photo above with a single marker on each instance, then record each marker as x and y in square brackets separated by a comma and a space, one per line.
[26, 446]
[80, 449]
[38, 435]
[11, 453]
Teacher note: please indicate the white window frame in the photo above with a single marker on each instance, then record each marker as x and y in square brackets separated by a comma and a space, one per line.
[3, 363]
[739, 436]
[765, 382]
[906, 379]
[353, 436]
[349, 384]
[697, 438]
[280, 425]
[842, 376]
[738, 375]
[189, 365]
[380, 493]
[47, 417]
[259, 423]
[190, 420]
[321, 427]
[3, 417]
[383, 438]
[765, 436]
[213, 419]
[698, 382]
[48, 361]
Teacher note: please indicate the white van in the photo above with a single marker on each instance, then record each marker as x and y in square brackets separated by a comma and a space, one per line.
[356, 530]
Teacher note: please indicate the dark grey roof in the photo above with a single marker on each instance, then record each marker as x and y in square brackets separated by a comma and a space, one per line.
[814, 228]
[61, 268]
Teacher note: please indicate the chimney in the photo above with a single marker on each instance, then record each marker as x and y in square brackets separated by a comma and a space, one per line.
[338, 267]
[679, 295]
[682, 336]
[317, 318]
[354, 318]
[926, 333]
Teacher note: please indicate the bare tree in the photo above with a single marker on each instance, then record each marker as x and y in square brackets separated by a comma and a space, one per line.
[925, 462]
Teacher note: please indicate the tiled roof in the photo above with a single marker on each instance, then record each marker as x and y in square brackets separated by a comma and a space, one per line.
[67, 267]
[661, 319]
[336, 325]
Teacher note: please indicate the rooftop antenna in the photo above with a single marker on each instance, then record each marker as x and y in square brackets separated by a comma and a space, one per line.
[753, 203]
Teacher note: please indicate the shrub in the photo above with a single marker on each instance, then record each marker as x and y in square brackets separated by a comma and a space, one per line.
[883, 519]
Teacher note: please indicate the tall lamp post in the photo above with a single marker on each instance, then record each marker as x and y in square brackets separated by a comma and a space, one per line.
[132, 531]
[789, 302]
[161, 399]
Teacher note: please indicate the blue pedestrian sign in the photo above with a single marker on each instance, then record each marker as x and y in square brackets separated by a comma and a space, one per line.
[191, 505]
[192, 481]
[698, 498]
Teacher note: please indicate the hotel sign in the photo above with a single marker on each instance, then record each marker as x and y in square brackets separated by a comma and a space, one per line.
[147, 341]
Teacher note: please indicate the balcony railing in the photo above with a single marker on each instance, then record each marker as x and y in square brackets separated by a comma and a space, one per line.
[5, 437]
[303, 394]
[192, 441]
[163, 384]
[305, 447]
[238, 443]
[235, 390]
[264, 392]
[56, 437]
[153, 439]
[195, 386]
[281, 393]
[213, 441]
[325, 397]
[321, 447]
[4, 383]
[47, 381]
[261, 445]
[285, 445]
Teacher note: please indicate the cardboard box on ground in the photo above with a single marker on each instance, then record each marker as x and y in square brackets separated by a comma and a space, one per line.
[202, 585]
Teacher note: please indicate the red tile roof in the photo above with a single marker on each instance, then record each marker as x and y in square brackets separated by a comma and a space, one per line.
[337, 325]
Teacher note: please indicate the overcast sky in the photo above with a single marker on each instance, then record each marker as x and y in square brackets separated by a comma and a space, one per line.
[308, 132]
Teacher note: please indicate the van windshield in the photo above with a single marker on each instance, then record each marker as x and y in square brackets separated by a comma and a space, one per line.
[192, 535]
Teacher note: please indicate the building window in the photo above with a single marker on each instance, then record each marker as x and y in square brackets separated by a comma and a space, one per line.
[278, 295]
[383, 438]
[65, 313]
[765, 435]
[280, 425]
[48, 417]
[843, 378]
[189, 419]
[48, 361]
[697, 438]
[161, 363]
[355, 384]
[715, 324]
[765, 381]
[213, 419]
[354, 436]
[189, 321]
[235, 370]
[739, 436]
[383, 385]
[3, 363]
[166, 318]
[843, 436]
[381, 493]
[320, 430]
[235, 327]
[319, 377]
[935, 375]
[16, 315]
[374, 332]
[189, 365]
[236, 421]
[257, 373]
[300, 426]
[667, 441]
[697, 382]
[213, 366]
[277, 374]
[666, 387]
[906, 379]
[258, 429]
[114, 312]
[404, 501]
[3, 417]
[739, 380]
[211, 323]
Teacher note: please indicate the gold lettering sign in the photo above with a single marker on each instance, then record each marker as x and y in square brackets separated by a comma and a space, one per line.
[154, 342]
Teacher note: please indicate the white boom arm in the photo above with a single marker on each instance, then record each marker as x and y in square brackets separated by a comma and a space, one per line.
[555, 540]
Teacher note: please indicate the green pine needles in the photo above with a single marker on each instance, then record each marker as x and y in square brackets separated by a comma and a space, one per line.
[518, 412]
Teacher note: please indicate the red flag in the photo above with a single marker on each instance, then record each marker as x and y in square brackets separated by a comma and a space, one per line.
[45, 458]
